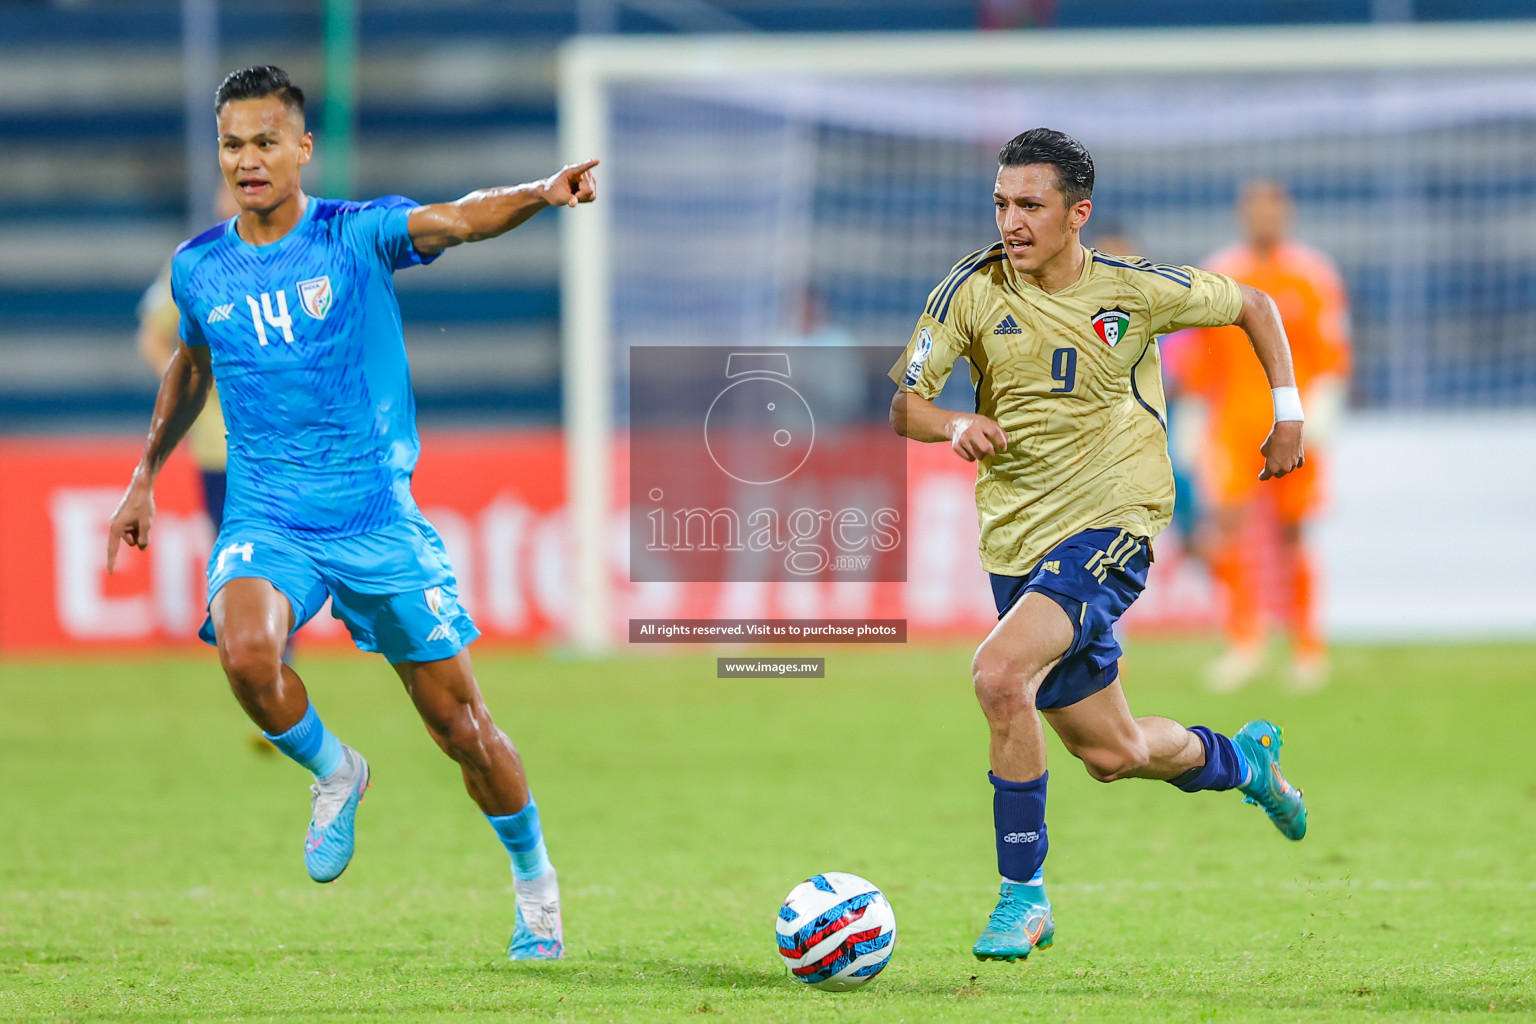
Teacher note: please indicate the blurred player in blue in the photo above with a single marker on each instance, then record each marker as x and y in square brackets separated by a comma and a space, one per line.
[291, 306]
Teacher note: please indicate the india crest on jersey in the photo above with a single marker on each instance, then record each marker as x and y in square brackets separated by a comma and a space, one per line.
[315, 296]
[1110, 325]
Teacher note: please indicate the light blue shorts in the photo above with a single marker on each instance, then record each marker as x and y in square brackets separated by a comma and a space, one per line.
[393, 588]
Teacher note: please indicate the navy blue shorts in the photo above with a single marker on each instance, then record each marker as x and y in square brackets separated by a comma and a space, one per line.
[1094, 576]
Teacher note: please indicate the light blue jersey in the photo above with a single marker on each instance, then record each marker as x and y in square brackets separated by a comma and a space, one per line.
[306, 343]
[307, 348]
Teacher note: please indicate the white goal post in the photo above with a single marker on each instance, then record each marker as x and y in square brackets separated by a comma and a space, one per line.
[1362, 112]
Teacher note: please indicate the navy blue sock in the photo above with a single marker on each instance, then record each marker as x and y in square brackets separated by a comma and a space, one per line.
[1225, 766]
[1018, 814]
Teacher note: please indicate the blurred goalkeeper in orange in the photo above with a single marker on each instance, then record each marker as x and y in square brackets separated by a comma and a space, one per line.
[1218, 371]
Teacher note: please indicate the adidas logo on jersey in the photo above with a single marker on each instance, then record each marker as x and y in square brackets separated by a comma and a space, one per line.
[220, 312]
[1008, 326]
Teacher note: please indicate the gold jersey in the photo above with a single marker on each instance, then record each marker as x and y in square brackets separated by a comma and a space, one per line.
[1075, 381]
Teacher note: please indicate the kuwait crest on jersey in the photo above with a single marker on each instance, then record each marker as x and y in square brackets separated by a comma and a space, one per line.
[315, 296]
[1110, 325]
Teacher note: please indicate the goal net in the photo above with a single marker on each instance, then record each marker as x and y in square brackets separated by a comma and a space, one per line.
[756, 189]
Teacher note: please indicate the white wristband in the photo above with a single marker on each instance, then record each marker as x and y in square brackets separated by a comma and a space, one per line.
[1287, 404]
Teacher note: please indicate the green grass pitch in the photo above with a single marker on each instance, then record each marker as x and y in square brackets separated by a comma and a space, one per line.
[150, 857]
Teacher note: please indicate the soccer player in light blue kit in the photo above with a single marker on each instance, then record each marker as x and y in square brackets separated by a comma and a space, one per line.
[291, 306]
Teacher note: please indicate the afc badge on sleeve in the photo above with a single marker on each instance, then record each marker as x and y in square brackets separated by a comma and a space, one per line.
[919, 357]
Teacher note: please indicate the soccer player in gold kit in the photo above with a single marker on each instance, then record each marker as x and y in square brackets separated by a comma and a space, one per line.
[1073, 482]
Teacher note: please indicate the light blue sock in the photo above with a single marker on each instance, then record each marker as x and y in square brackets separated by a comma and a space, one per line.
[523, 837]
[311, 744]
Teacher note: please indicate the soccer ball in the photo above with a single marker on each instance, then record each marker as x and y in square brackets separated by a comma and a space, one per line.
[836, 931]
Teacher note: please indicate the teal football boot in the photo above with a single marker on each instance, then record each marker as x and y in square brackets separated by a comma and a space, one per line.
[1260, 743]
[1020, 924]
[331, 837]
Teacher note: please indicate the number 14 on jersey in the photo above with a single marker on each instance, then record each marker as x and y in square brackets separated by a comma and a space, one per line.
[280, 319]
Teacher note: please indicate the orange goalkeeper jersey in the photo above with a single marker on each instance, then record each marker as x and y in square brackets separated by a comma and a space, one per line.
[1218, 363]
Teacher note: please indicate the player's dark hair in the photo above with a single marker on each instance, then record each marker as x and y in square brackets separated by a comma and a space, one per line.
[1074, 167]
[255, 82]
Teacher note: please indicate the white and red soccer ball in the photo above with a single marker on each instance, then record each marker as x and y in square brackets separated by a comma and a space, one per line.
[836, 931]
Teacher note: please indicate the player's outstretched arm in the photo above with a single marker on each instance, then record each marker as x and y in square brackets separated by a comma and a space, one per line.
[183, 390]
[488, 212]
[972, 436]
[1260, 319]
